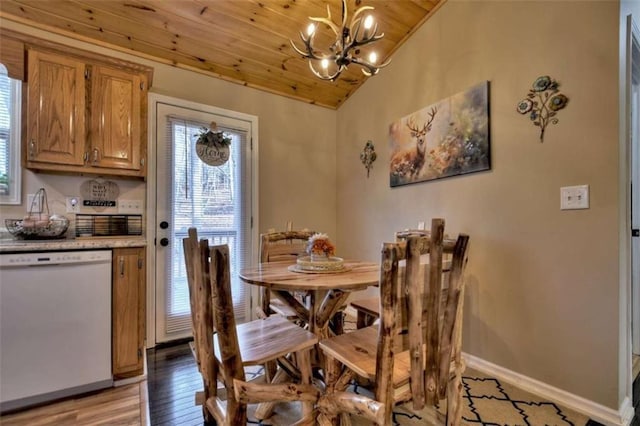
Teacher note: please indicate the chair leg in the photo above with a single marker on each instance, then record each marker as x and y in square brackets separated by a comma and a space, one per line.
[265, 409]
[303, 359]
[454, 400]
[364, 320]
[337, 323]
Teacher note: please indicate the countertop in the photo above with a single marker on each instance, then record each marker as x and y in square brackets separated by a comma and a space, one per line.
[11, 245]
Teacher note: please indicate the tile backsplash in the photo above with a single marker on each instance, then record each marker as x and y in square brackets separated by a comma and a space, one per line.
[59, 187]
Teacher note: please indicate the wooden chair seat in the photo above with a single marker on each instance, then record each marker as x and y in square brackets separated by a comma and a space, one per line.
[357, 351]
[264, 340]
[367, 310]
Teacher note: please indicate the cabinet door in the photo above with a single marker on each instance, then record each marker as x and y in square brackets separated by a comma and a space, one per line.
[115, 118]
[128, 311]
[56, 107]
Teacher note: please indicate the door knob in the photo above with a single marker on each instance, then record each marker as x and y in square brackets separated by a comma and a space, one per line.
[164, 242]
[164, 225]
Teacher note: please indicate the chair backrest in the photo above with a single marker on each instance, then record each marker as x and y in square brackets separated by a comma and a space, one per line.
[432, 345]
[278, 247]
[284, 245]
[208, 276]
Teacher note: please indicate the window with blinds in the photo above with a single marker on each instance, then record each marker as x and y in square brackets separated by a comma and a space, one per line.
[215, 200]
[9, 139]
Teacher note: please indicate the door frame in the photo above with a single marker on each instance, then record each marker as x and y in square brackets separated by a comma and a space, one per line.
[634, 171]
[625, 412]
[151, 226]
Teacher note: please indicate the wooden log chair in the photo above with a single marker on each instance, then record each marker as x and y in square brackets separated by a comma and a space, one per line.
[368, 309]
[282, 246]
[426, 369]
[224, 348]
[287, 246]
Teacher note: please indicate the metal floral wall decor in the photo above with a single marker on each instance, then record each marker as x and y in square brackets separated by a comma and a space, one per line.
[448, 138]
[543, 103]
[368, 156]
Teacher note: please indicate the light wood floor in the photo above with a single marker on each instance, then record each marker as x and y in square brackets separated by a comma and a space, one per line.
[125, 405]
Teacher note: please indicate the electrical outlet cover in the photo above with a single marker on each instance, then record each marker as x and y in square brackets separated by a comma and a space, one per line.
[574, 197]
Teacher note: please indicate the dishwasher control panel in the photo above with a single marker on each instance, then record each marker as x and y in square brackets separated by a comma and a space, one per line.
[54, 257]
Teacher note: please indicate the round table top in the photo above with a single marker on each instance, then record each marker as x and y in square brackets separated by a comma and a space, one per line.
[357, 275]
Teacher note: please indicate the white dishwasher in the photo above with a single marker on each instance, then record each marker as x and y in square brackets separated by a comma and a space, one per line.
[55, 325]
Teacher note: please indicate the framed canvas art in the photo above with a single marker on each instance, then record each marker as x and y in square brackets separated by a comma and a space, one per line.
[448, 138]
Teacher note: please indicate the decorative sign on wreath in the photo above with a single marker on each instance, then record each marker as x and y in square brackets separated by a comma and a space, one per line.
[212, 146]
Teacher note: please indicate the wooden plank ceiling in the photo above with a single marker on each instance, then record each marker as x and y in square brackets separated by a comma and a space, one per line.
[244, 41]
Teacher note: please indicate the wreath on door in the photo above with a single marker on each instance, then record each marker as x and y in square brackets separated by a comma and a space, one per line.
[212, 146]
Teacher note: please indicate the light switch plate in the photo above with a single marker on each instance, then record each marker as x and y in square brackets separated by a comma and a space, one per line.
[574, 197]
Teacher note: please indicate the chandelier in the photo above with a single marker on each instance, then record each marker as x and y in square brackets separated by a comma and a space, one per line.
[345, 50]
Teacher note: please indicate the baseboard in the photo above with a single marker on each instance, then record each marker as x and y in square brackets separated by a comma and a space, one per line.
[595, 411]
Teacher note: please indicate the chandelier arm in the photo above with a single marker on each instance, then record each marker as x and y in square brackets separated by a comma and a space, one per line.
[369, 65]
[309, 53]
[300, 52]
[368, 68]
[374, 36]
[326, 77]
[327, 21]
[355, 43]
[344, 13]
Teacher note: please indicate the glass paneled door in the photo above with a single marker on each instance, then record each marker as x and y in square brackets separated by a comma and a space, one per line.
[215, 200]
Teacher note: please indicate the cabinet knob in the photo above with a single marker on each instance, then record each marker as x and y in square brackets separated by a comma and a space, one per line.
[96, 155]
[32, 148]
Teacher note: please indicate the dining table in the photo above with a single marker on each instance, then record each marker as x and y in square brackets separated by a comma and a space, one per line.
[327, 291]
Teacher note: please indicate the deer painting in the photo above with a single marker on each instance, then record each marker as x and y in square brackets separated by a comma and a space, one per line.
[407, 164]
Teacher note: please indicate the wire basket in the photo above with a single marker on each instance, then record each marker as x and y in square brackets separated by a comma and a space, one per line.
[38, 226]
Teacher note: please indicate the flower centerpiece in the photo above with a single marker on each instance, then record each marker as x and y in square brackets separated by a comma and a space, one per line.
[319, 257]
[320, 247]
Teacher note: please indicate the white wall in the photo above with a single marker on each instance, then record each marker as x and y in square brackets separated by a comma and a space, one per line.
[543, 284]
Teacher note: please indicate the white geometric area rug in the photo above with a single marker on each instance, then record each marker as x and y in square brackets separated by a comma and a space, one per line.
[487, 402]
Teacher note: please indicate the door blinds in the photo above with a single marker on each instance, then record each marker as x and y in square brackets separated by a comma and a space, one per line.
[212, 199]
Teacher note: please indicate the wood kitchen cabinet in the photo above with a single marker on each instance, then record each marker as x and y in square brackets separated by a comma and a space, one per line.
[128, 311]
[86, 114]
[55, 120]
[115, 118]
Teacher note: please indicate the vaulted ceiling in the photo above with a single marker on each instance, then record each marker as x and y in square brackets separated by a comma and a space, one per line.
[243, 41]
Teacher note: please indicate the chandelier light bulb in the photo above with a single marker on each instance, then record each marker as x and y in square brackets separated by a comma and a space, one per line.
[368, 22]
[311, 29]
[324, 64]
[373, 57]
